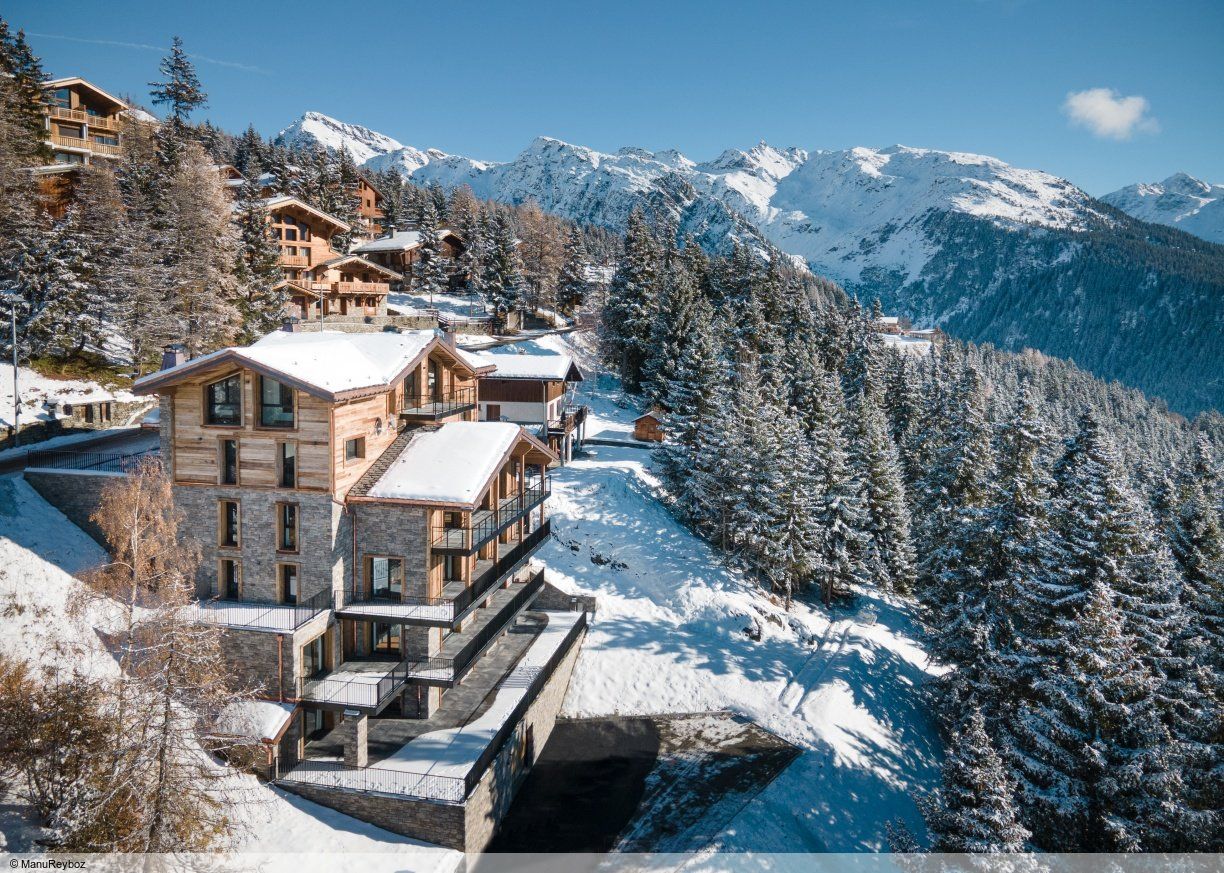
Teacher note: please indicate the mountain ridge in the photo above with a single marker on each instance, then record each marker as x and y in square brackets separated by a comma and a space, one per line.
[1068, 274]
[1180, 201]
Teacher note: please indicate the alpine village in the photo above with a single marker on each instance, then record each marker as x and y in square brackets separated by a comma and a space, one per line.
[351, 454]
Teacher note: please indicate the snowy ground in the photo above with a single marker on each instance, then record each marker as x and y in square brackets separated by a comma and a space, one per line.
[454, 305]
[49, 619]
[670, 636]
[36, 388]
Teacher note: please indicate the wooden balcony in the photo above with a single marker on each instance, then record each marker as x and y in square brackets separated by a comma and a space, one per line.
[110, 122]
[295, 260]
[378, 288]
[88, 145]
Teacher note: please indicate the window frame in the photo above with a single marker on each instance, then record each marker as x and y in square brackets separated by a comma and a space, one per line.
[359, 443]
[222, 527]
[222, 582]
[293, 406]
[369, 574]
[281, 567]
[280, 463]
[206, 416]
[221, 464]
[281, 506]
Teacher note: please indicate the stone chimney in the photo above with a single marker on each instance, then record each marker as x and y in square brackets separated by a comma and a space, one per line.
[448, 337]
[292, 324]
[173, 355]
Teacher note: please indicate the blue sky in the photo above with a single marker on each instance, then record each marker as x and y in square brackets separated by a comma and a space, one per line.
[483, 79]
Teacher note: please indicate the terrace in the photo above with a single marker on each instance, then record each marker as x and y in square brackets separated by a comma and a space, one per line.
[258, 615]
[443, 757]
[418, 407]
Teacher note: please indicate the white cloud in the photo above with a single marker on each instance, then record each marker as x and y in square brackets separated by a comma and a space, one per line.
[1108, 114]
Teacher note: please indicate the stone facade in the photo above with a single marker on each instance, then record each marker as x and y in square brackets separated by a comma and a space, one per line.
[76, 493]
[324, 539]
[268, 663]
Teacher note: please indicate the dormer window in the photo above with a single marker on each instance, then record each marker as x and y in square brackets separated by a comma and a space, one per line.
[223, 401]
[275, 403]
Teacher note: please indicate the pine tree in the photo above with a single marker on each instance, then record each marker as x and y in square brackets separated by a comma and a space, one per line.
[889, 556]
[1095, 764]
[837, 509]
[502, 278]
[975, 809]
[430, 270]
[572, 286]
[672, 324]
[182, 92]
[257, 272]
[628, 317]
[21, 99]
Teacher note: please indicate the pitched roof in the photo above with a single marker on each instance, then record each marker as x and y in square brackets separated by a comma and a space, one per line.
[400, 241]
[327, 364]
[344, 259]
[68, 81]
[552, 368]
[452, 464]
[282, 201]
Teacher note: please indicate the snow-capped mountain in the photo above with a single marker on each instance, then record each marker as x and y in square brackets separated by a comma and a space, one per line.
[1180, 201]
[990, 252]
[315, 128]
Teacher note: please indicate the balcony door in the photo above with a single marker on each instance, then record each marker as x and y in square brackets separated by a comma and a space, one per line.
[434, 381]
[386, 578]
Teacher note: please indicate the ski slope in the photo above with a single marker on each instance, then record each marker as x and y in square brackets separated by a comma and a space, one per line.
[671, 636]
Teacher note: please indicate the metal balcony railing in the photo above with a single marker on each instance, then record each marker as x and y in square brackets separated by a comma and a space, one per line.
[359, 690]
[434, 406]
[488, 523]
[448, 610]
[94, 462]
[261, 615]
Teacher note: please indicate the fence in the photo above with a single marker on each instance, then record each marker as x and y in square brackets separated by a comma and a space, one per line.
[95, 462]
[488, 523]
[383, 780]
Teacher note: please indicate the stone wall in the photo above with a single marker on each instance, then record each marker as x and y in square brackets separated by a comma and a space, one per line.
[76, 493]
[467, 827]
[324, 539]
[395, 531]
[489, 801]
[552, 597]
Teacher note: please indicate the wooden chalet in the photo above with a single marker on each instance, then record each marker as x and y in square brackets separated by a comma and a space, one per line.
[321, 281]
[649, 425]
[369, 208]
[398, 250]
[83, 121]
[535, 391]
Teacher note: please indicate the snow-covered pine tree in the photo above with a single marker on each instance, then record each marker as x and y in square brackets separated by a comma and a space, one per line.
[503, 270]
[975, 809]
[572, 286]
[21, 99]
[430, 270]
[888, 554]
[257, 273]
[182, 93]
[669, 334]
[628, 317]
[1108, 535]
[841, 523]
[1095, 764]
[789, 553]
[251, 153]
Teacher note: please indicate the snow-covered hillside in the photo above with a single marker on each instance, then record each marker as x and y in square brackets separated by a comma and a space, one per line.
[676, 632]
[1180, 201]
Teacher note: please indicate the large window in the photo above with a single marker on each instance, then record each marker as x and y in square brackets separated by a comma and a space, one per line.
[314, 656]
[62, 98]
[386, 638]
[286, 464]
[229, 462]
[288, 582]
[228, 524]
[386, 577]
[275, 403]
[223, 401]
[452, 568]
[287, 527]
[229, 578]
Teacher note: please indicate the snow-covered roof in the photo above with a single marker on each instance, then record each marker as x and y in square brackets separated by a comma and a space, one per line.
[331, 364]
[888, 319]
[547, 367]
[908, 344]
[399, 241]
[257, 719]
[451, 465]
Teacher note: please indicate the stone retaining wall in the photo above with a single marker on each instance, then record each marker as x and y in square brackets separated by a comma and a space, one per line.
[76, 493]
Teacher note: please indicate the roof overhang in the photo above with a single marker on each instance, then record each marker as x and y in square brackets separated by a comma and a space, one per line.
[285, 201]
[83, 83]
[345, 259]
